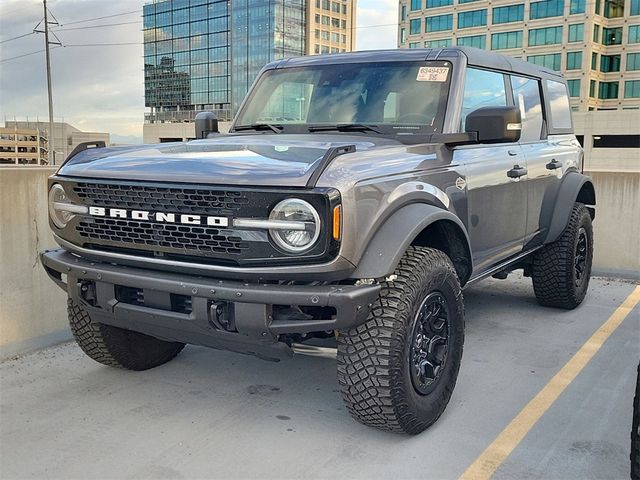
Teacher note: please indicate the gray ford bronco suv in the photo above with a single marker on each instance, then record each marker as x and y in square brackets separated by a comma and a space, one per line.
[353, 199]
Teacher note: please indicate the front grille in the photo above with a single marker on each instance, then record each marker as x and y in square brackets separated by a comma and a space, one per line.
[177, 200]
[181, 239]
[184, 242]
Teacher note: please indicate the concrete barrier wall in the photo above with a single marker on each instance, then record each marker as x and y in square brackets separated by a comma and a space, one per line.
[617, 224]
[33, 309]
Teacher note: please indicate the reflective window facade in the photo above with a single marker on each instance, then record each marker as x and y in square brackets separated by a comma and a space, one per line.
[576, 32]
[415, 25]
[547, 8]
[551, 60]
[613, 8]
[193, 48]
[609, 63]
[476, 41]
[186, 55]
[258, 32]
[576, 7]
[574, 88]
[586, 40]
[612, 36]
[500, 41]
[608, 90]
[574, 60]
[474, 18]
[632, 89]
[439, 23]
[633, 61]
[438, 3]
[440, 43]
[508, 14]
[545, 36]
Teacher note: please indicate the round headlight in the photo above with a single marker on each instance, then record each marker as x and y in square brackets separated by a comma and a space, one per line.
[305, 223]
[61, 209]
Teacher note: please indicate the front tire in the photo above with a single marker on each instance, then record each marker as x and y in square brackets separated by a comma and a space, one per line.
[562, 269]
[117, 347]
[397, 371]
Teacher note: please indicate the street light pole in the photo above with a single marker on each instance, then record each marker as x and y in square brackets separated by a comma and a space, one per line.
[46, 43]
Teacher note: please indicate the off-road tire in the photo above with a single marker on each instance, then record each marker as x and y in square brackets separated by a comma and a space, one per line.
[374, 358]
[635, 433]
[553, 272]
[117, 347]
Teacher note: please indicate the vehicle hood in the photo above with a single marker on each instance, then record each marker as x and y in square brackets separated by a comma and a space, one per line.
[261, 160]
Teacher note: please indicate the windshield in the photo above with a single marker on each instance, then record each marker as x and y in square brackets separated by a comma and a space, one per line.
[385, 97]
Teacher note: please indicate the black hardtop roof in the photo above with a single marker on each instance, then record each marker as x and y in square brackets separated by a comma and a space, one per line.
[475, 57]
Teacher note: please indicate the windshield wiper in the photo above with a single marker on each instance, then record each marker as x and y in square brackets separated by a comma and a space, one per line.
[259, 126]
[346, 127]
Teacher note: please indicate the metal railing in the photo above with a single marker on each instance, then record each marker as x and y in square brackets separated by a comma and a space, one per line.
[184, 116]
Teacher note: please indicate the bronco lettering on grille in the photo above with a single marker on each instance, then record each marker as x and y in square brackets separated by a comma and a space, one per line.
[160, 217]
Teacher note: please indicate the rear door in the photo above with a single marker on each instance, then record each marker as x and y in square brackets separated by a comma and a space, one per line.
[544, 158]
[497, 204]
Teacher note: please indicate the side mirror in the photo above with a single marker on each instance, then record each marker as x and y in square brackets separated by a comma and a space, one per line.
[495, 124]
[206, 123]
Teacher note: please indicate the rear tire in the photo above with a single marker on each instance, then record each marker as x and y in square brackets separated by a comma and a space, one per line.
[397, 371]
[562, 269]
[117, 347]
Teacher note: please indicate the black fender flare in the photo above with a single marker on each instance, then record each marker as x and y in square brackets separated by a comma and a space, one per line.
[574, 187]
[384, 251]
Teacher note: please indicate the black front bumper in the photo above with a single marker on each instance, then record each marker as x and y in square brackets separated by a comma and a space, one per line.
[95, 286]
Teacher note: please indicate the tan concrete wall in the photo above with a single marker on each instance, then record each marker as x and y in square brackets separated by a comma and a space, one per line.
[32, 308]
[613, 122]
[617, 224]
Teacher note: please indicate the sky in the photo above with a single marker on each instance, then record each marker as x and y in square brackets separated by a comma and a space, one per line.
[101, 88]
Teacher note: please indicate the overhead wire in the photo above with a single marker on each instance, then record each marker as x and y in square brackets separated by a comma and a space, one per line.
[16, 38]
[100, 18]
[25, 54]
[96, 26]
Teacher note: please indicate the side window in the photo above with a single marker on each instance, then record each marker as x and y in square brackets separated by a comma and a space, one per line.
[482, 89]
[526, 96]
[559, 105]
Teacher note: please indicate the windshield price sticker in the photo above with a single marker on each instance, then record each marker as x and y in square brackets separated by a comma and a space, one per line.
[432, 74]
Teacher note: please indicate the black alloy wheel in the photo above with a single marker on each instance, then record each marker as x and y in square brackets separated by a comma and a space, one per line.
[430, 343]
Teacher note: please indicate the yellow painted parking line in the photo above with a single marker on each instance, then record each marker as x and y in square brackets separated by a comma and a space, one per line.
[496, 453]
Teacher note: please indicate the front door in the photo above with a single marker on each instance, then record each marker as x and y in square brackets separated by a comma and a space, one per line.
[497, 199]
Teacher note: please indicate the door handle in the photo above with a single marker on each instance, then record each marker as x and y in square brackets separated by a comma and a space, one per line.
[517, 171]
[512, 153]
[553, 165]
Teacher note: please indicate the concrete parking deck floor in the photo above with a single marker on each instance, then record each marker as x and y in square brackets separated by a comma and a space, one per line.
[212, 414]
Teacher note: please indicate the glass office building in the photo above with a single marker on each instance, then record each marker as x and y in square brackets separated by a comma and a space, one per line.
[595, 43]
[263, 31]
[205, 54]
[186, 58]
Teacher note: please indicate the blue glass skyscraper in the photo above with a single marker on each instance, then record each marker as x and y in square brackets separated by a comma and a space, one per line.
[204, 54]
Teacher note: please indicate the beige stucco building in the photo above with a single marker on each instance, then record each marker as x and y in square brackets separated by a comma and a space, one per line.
[330, 26]
[65, 138]
[596, 44]
[23, 146]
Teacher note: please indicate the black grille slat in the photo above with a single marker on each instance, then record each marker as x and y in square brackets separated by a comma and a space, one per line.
[182, 239]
